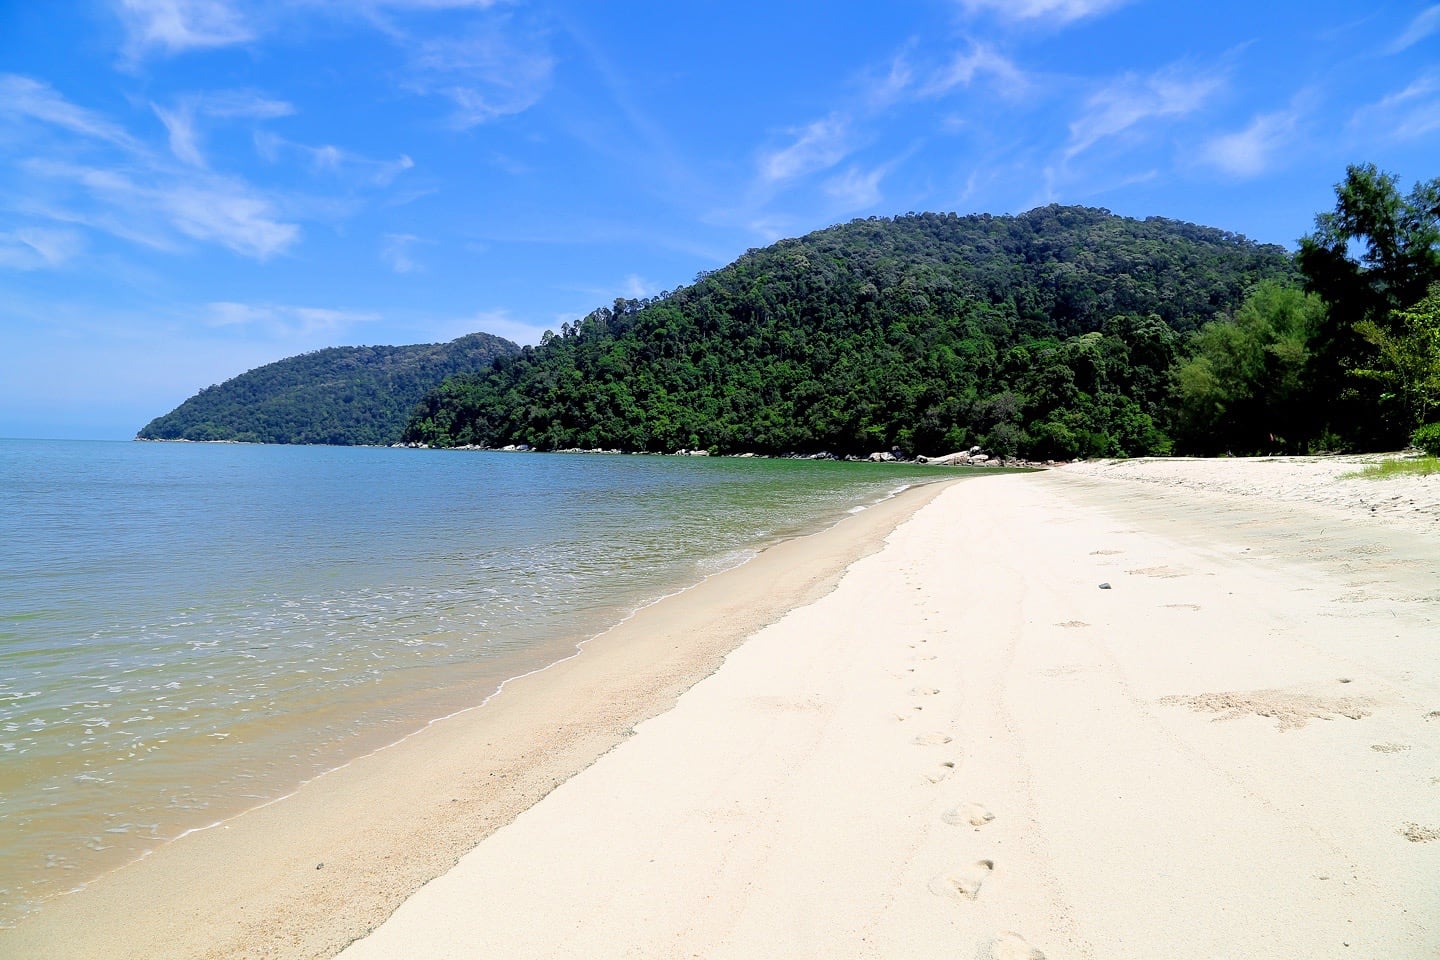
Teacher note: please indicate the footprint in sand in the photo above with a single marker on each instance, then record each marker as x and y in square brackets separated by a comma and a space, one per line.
[963, 884]
[931, 739]
[1415, 833]
[968, 814]
[940, 772]
[1009, 945]
[1162, 573]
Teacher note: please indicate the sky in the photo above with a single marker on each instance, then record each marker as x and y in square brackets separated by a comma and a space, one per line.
[193, 188]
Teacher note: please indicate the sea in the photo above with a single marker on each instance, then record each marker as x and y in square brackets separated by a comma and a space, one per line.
[191, 630]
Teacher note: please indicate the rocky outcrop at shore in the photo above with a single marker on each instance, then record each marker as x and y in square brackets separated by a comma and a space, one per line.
[974, 457]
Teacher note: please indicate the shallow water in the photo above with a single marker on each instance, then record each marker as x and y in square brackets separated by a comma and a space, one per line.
[188, 630]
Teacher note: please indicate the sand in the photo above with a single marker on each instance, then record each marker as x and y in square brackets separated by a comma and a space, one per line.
[1161, 708]
[303, 877]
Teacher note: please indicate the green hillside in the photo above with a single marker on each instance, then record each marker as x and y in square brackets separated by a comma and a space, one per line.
[340, 395]
[1048, 334]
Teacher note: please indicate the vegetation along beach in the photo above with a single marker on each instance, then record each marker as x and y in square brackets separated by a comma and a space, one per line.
[956, 479]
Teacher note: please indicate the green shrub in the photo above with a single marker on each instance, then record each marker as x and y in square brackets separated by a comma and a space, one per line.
[1427, 438]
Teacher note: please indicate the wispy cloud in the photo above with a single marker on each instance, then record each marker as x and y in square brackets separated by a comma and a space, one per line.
[208, 207]
[175, 26]
[488, 73]
[501, 323]
[29, 99]
[383, 7]
[135, 193]
[966, 65]
[183, 120]
[1404, 115]
[885, 88]
[284, 320]
[856, 189]
[1051, 11]
[330, 159]
[636, 287]
[31, 248]
[1425, 24]
[1132, 101]
[396, 252]
[816, 146]
[1251, 151]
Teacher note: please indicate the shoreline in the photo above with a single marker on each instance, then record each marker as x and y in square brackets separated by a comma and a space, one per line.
[922, 732]
[254, 855]
[967, 749]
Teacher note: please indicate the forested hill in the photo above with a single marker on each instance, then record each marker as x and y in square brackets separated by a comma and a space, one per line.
[340, 395]
[1046, 334]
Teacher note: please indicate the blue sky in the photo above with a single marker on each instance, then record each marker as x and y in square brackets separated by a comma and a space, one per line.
[191, 188]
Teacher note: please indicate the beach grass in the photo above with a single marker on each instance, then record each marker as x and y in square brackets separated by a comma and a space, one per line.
[1418, 467]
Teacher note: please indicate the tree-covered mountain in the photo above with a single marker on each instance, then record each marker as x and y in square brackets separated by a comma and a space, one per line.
[340, 395]
[1048, 334]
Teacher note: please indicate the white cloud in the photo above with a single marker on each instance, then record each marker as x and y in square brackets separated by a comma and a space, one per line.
[501, 324]
[224, 212]
[137, 194]
[771, 228]
[33, 248]
[637, 288]
[183, 121]
[1404, 115]
[396, 252]
[965, 66]
[856, 189]
[174, 26]
[32, 99]
[425, 4]
[329, 158]
[284, 320]
[203, 207]
[1427, 22]
[184, 139]
[486, 74]
[817, 146]
[1133, 100]
[1058, 11]
[1250, 152]
[883, 91]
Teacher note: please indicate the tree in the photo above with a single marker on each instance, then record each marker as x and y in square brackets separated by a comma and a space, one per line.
[1409, 360]
[1244, 388]
[919, 332]
[1375, 254]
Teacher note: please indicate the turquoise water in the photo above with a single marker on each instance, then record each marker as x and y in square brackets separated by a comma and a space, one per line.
[187, 630]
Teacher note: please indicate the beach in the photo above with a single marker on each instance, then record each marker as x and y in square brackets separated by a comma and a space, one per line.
[1177, 708]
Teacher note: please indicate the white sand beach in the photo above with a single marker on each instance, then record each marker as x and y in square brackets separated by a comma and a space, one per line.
[1187, 709]
[971, 749]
